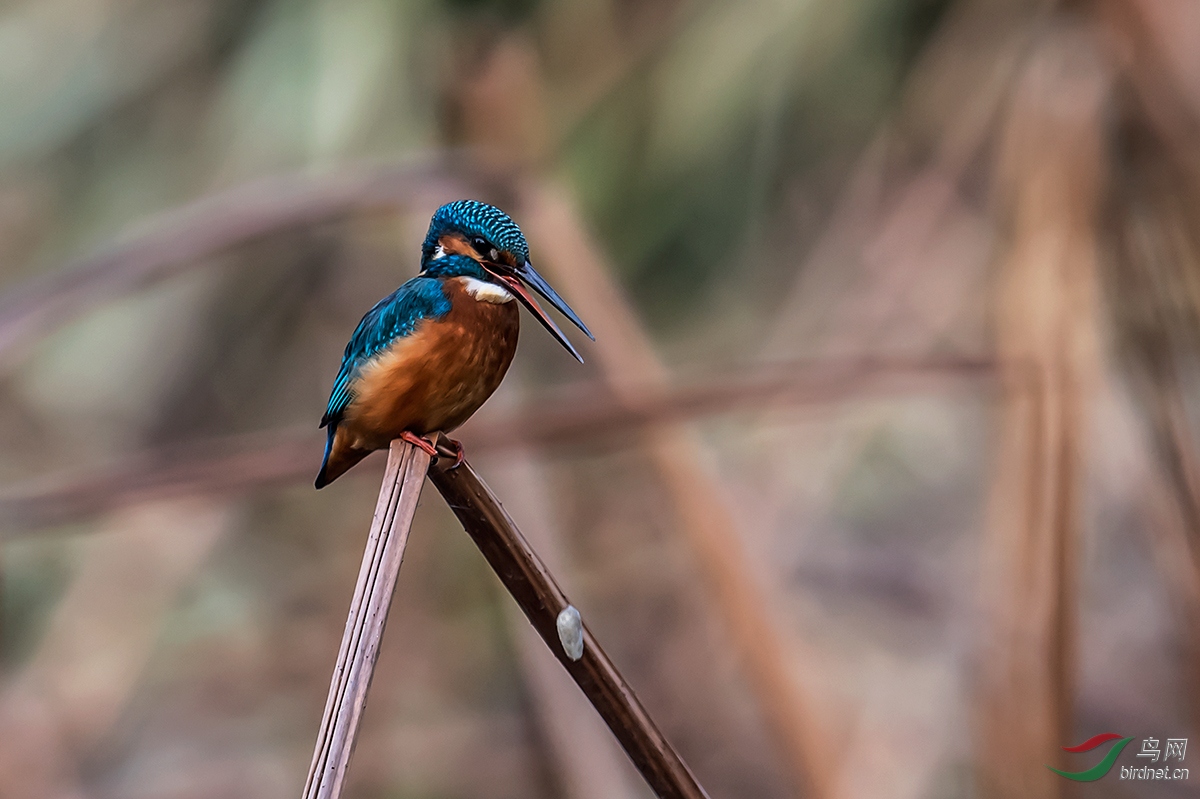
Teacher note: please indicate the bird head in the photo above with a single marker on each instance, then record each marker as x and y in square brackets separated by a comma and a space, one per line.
[474, 239]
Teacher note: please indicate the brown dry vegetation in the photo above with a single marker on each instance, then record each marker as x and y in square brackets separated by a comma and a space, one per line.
[880, 479]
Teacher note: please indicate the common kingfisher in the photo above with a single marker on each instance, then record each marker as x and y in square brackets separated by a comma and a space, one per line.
[428, 355]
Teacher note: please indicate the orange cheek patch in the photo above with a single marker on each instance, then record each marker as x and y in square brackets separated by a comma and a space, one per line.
[453, 244]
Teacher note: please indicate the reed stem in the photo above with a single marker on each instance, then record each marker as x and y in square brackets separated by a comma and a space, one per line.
[402, 481]
[543, 602]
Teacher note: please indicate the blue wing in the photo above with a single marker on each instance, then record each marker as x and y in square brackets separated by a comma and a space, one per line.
[393, 317]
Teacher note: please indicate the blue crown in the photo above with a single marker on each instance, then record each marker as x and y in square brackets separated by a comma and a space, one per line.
[473, 218]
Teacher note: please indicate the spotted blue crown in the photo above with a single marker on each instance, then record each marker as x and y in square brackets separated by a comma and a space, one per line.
[474, 218]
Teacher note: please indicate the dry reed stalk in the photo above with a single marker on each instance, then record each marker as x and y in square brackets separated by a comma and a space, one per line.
[179, 238]
[240, 463]
[1169, 533]
[1174, 499]
[905, 265]
[1051, 179]
[394, 511]
[1155, 295]
[886, 231]
[66, 700]
[1175, 522]
[544, 604]
[586, 759]
[1173, 527]
[631, 368]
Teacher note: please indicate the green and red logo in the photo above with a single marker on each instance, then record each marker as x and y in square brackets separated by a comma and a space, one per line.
[1100, 769]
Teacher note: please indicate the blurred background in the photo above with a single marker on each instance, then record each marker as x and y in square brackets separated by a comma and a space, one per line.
[880, 479]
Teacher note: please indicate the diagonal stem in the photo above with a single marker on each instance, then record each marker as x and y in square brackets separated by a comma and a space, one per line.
[394, 511]
[535, 590]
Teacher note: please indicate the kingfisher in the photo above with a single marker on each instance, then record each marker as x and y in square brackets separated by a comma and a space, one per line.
[428, 355]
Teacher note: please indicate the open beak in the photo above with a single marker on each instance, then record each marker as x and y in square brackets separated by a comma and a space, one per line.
[517, 278]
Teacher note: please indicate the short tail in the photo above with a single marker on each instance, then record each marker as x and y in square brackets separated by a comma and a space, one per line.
[339, 457]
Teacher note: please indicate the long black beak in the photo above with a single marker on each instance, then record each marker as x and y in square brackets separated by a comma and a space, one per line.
[517, 278]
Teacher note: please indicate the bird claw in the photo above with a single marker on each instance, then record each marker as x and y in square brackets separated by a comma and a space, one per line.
[438, 447]
[420, 443]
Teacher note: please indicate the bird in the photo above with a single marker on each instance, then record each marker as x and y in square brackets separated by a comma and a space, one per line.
[428, 355]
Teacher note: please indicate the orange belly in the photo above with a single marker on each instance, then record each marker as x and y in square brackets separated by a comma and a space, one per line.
[435, 378]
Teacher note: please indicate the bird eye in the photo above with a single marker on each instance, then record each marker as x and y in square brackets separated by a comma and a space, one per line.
[484, 248]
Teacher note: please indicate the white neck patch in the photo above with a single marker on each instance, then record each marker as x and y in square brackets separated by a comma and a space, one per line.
[440, 252]
[486, 292]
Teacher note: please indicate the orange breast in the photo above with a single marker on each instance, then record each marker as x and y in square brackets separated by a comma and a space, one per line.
[437, 377]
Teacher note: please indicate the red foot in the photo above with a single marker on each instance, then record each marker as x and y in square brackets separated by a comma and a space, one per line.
[420, 443]
[431, 447]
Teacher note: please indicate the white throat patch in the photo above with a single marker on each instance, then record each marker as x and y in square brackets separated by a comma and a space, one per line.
[486, 292]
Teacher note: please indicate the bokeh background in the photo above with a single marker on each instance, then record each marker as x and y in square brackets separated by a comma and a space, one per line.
[880, 479]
